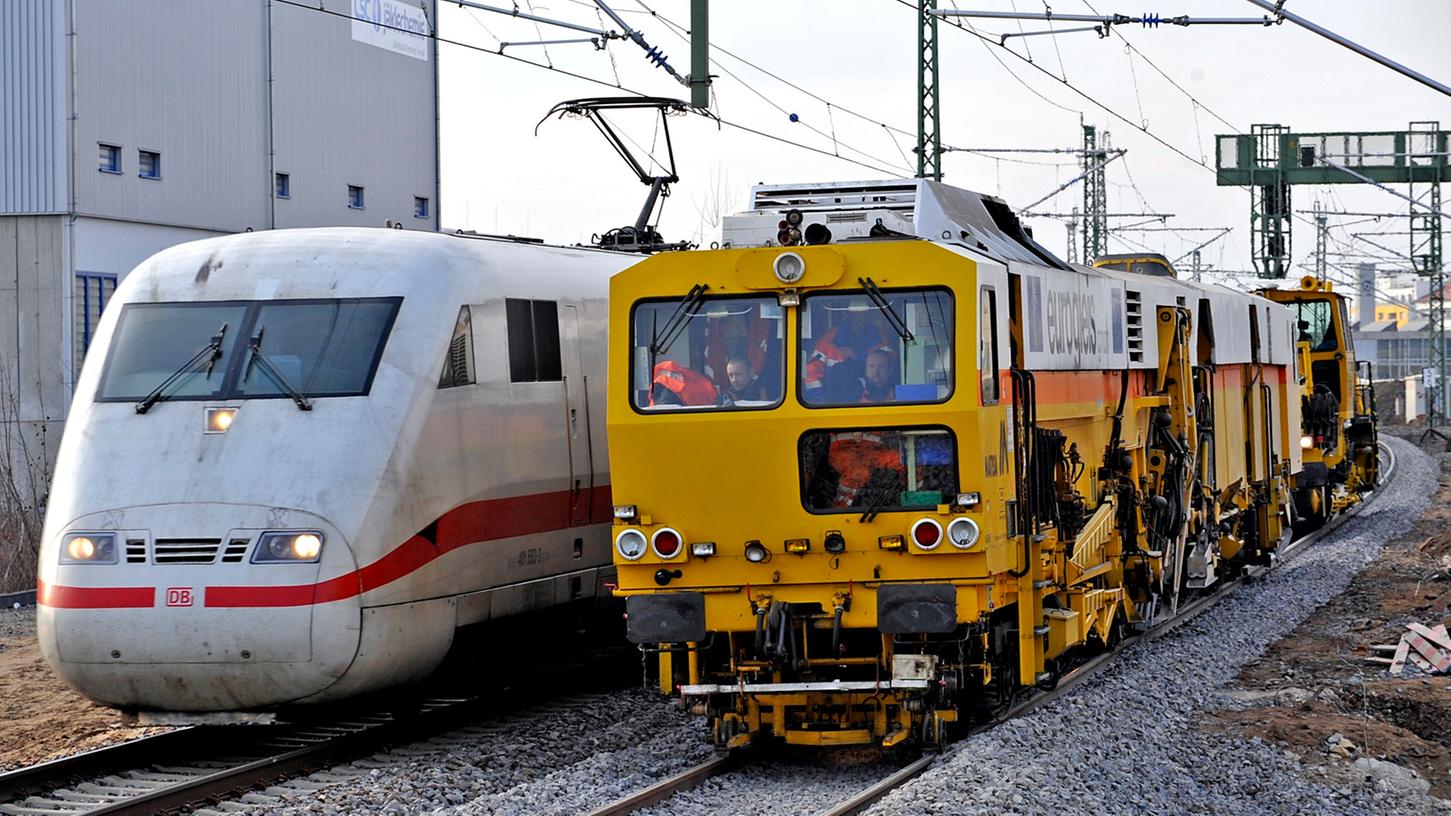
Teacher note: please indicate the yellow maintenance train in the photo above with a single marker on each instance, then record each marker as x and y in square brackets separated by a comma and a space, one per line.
[883, 462]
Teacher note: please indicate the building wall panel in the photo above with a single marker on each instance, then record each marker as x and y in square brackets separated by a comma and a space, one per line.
[33, 132]
[347, 112]
[187, 79]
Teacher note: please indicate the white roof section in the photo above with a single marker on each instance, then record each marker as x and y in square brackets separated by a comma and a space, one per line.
[917, 208]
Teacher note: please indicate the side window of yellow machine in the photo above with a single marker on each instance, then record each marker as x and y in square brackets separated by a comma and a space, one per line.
[987, 357]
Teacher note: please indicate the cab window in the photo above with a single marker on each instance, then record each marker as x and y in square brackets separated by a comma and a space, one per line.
[857, 349]
[877, 469]
[987, 348]
[703, 354]
[1316, 325]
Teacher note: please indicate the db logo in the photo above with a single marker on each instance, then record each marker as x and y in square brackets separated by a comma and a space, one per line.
[178, 596]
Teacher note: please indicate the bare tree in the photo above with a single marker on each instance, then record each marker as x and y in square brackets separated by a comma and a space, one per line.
[25, 471]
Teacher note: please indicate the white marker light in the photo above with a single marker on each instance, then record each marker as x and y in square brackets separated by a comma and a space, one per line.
[789, 267]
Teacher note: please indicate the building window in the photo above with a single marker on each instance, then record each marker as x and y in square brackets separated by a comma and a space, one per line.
[110, 158]
[533, 327]
[284, 185]
[355, 197]
[93, 292]
[150, 162]
[420, 207]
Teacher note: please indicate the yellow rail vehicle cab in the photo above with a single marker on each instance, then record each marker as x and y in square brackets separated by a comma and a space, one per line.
[1338, 440]
[870, 486]
[802, 430]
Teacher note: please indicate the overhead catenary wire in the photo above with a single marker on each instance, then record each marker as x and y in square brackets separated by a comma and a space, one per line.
[1279, 9]
[879, 168]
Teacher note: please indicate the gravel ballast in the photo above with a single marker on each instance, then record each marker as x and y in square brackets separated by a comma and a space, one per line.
[17, 624]
[797, 782]
[1127, 741]
[559, 759]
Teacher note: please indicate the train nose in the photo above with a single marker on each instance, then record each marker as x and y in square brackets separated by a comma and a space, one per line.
[186, 622]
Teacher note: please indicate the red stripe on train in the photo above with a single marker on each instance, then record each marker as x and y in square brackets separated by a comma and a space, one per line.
[76, 597]
[472, 523]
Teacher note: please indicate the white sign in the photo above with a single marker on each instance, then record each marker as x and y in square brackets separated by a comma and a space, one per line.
[1428, 378]
[399, 26]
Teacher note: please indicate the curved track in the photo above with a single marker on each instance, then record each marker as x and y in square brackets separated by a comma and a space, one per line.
[859, 802]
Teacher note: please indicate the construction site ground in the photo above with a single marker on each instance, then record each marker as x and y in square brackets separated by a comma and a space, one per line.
[1315, 693]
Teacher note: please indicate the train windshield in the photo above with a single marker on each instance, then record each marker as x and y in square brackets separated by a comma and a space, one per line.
[877, 469]
[320, 348]
[700, 353]
[875, 347]
[156, 340]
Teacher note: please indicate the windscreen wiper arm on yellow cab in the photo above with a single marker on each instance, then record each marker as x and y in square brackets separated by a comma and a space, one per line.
[662, 341]
[214, 348]
[271, 371]
[880, 300]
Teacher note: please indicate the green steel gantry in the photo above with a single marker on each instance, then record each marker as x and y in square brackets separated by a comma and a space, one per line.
[929, 114]
[1095, 196]
[1270, 160]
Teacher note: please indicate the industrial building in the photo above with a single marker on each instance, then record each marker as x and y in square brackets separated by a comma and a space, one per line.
[126, 128]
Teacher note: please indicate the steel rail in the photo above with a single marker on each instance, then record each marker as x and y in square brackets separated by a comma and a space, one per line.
[192, 766]
[692, 777]
[668, 787]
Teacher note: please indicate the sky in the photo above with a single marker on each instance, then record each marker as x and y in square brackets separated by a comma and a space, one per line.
[847, 70]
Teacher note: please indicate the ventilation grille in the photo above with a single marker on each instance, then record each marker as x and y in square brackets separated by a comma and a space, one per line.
[236, 551]
[186, 550]
[136, 551]
[1135, 309]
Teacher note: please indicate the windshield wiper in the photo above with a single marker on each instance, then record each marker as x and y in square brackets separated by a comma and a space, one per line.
[665, 338]
[213, 348]
[880, 300]
[874, 506]
[271, 371]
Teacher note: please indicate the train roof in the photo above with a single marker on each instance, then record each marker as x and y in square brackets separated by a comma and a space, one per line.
[354, 262]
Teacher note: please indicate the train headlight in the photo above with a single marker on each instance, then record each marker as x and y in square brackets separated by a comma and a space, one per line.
[630, 544]
[927, 533]
[625, 512]
[756, 552]
[963, 533]
[969, 499]
[1307, 442]
[702, 549]
[295, 547]
[665, 542]
[88, 548]
[219, 420]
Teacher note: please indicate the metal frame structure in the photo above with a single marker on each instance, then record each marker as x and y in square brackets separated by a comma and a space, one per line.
[929, 112]
[1095, 157]
[1271, 159]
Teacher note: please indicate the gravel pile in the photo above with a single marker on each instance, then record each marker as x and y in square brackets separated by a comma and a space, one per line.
[17, 624]
[1127, 740]
[798, 782]
[559, 759]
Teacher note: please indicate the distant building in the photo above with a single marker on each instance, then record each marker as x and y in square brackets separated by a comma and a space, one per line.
[127, 127]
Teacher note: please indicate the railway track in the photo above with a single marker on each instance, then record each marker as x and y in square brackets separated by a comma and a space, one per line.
[191, 767]
[865, 798]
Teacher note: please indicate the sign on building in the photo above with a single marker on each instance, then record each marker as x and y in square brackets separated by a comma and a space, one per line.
[394, 25]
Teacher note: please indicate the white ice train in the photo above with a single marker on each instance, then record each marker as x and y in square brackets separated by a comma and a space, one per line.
[298, 460]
